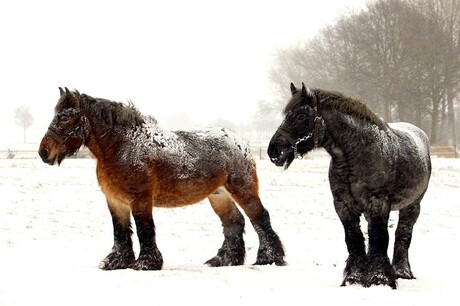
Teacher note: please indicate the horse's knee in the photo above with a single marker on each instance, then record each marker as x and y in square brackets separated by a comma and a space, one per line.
[120, 212]
[224, 206]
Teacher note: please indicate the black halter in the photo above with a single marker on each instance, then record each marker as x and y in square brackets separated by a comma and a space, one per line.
[80, 131]
[317, 133]
[55, 136]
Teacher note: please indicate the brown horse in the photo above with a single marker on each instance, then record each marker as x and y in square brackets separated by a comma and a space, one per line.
[140, 165]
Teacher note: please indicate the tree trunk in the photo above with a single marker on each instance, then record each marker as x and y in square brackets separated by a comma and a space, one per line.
[434, 122]
[452, 133]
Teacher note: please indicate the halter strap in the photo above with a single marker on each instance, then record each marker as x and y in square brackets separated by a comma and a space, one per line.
[318, 127]
[286, 135]
[55, 136]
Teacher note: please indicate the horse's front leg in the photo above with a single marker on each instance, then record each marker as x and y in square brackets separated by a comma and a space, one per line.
[355, 268]
[380, 271]
[122, 254]
[150, 257]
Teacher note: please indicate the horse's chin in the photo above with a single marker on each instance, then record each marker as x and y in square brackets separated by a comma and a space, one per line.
[289, 160]
[284, 160]
[60, 158]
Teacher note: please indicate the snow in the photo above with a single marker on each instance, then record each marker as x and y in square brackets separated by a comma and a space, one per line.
[418, 136]
[55, 228]
[150, 142]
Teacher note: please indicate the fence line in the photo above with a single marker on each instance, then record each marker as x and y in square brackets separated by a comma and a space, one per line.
[259, 151]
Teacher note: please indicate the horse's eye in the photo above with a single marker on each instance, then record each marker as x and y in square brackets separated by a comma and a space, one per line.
[301, 117]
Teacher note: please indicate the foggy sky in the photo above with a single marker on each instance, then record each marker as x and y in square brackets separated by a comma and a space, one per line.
[205, 59]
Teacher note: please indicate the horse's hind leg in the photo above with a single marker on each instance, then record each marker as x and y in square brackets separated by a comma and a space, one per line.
[232, 251]
[244, 189]
[407, 218]
[122, 254]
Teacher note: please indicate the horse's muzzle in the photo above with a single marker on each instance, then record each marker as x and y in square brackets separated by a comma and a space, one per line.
[45, 157]
[279, 161]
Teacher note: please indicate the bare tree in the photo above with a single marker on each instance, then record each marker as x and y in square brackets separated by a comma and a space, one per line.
[401, 56]
[23, 118]
[446, 15]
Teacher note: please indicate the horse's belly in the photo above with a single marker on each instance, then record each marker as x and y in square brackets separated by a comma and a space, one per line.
[185, 192]
[173, 200]
[407, 196]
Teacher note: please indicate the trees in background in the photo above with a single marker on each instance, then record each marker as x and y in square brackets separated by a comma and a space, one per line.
[23, 118]
[401, 56]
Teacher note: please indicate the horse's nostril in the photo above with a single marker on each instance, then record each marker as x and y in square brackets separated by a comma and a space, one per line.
[43, 153]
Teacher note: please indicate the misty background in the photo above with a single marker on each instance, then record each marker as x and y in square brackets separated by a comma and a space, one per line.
[199, 63]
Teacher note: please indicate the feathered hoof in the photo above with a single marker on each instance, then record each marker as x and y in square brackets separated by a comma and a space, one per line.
[380, 278]
[277, 260]
[232, 253]
[271, 252]
[403, 273]
[150, 260]
[353, 278]
[223, 261]
[117, 260]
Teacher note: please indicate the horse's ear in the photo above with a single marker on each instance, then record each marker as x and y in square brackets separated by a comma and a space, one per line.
[307, 95]
[293, 89]
[61, 91]
[305, 90]
[74, 98]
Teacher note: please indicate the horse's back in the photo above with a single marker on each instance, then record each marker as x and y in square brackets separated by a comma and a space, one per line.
[220, 143]
[202, 161]
[415, 142]
[412, 163]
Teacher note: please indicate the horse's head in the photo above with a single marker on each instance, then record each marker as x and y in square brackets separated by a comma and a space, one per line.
[68, 130]
[301, 130]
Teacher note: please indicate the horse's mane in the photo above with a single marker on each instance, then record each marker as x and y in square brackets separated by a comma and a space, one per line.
[351, 106]
[336, 100]
[112, 113]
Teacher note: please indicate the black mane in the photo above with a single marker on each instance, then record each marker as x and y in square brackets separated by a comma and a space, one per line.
[113, 113]
[340, 102]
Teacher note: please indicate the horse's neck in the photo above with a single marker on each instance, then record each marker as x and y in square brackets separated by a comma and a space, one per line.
[345, 133]
[102, 139]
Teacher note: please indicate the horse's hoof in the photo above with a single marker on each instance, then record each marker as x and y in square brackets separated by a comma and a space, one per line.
[404, 273]
[276, 261]
[232, 253]
[223, 261]
[271, 253]
[402, 270]
[117, 260]
[216, 261]
[148, 261]
[380, 278]
[354, 278]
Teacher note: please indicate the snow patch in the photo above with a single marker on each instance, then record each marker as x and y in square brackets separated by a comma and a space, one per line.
[184, 149]
[55, 228]
[418, 138]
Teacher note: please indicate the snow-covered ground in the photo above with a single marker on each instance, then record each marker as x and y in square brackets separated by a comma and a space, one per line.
[55, 228]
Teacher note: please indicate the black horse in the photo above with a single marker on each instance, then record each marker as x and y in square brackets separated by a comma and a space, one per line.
[375, 167]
